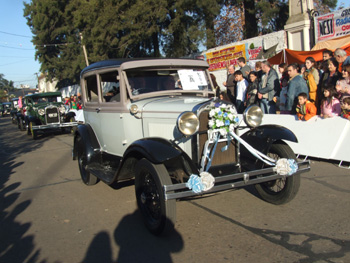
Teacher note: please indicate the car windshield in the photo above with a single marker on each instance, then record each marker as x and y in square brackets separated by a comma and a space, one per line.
[164, 81]
[39, 100]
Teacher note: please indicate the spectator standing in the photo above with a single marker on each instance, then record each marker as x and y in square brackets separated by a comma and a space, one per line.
[282, 99]
[282, 68]
[230, 84]
[269, 87]
[305, 109]
[242, 85]
[343, 85]
[252, 90]
[243, 67]
[312, 78]
[73, 103]
[258, 70]
[342, 58]
[330, 105]
[296, 85]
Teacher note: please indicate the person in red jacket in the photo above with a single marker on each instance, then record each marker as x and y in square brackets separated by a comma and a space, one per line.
[305, 109]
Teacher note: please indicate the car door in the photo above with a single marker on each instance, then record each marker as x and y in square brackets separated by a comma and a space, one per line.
[92, 106]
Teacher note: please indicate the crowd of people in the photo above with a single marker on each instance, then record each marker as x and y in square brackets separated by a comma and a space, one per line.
[314, 88]
[73, 102]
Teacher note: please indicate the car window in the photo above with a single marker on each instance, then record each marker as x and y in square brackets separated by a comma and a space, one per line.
[110, 87]
[146, 81]
[91, 88]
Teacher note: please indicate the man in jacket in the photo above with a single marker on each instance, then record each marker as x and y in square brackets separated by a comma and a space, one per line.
[230, 84]
[269, 87]
[296, 86]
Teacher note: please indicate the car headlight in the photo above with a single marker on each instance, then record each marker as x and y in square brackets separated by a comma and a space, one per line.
[253, 116]
[41, 112]
[188, 123]
[62, 109]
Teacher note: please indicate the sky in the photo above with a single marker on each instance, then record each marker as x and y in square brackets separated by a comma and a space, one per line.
[17, 53]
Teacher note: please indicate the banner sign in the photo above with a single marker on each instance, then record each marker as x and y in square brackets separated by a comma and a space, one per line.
[228, 56]
[332, 25]
[253, 53]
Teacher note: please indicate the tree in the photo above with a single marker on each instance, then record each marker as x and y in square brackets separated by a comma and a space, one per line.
[111, 28]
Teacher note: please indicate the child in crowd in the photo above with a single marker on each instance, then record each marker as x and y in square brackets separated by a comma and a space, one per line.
[223, 96]
[305, 109]
[346, 108]
[330, 105]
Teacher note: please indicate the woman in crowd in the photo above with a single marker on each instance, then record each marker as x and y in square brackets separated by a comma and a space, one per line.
[330, 105]
[312, 78]
[282, 68]
[343, 85]
[252, 90]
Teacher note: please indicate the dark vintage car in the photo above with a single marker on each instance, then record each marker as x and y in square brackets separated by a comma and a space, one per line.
[46, 112]
[5, 108]
[157, 121]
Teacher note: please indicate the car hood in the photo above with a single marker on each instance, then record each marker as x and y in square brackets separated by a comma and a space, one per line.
[170, 105]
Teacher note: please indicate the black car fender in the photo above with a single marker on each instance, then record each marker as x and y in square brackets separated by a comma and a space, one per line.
[159, 150]
[87, 143]
[30, 118]
[261, 138]
[69, 115]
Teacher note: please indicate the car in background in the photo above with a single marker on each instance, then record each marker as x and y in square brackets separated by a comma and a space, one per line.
[158, 122]
[46, 112]
[5, 108]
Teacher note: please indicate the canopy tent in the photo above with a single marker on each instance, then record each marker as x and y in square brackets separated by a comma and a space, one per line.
[291, 56]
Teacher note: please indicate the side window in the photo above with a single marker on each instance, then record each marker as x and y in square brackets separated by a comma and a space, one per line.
[110, 87]
[91, 89]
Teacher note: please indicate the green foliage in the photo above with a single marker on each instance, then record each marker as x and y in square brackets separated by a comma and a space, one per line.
[6, 84]
[111, 28]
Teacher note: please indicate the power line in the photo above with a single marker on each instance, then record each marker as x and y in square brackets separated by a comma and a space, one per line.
[17, 48]
[14, 34]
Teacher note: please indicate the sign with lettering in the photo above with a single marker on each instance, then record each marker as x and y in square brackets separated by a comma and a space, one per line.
[218, 59]
[332, 25]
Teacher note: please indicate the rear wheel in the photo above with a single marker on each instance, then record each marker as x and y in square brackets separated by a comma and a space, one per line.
[158, 214]
[86, 176]
[282, 190]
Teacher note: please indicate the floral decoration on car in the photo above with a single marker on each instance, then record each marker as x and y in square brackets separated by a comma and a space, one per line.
[223, 118]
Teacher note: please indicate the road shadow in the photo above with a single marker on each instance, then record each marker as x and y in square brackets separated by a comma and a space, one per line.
[314, 248]
[15, 245]
[135, 242]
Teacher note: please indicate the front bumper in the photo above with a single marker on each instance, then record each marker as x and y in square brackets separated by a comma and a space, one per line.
[55, 126]
[232, 181]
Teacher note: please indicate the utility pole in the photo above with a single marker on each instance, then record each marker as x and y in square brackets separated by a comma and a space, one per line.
[84, 49]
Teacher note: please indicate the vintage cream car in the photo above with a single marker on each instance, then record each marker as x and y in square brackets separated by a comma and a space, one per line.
[157, 121]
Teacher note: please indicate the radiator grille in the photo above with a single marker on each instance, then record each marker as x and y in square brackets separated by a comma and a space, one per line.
[220, 158]
[52, 115]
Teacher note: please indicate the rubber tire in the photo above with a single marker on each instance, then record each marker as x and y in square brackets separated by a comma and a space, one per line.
[72, 129]
[291, 184]
[31, 131]
[159, 215]
[86, 176]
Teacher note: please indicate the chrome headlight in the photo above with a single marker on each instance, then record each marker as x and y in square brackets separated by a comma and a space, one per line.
[188, 123]
[41, 112]
[62, 109]
[253, 116]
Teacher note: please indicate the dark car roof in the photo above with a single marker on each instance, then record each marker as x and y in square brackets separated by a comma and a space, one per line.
[112, 63]
[8, 103]
[45, 94]
[14, 99]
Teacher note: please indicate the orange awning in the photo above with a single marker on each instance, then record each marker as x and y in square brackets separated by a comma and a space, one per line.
[291, 56]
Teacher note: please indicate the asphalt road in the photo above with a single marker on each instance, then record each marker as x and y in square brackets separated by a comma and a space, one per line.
[48, 215]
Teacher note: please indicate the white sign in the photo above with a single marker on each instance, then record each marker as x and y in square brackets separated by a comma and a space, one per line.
[191, 80]
[332, 25]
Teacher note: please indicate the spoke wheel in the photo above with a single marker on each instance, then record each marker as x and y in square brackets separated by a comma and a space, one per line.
[86, 176]
[159, 215]
[282, 190]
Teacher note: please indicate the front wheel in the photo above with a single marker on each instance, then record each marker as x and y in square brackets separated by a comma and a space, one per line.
[31, 131]
[282, 190]
[159, 215]
[86, 176]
